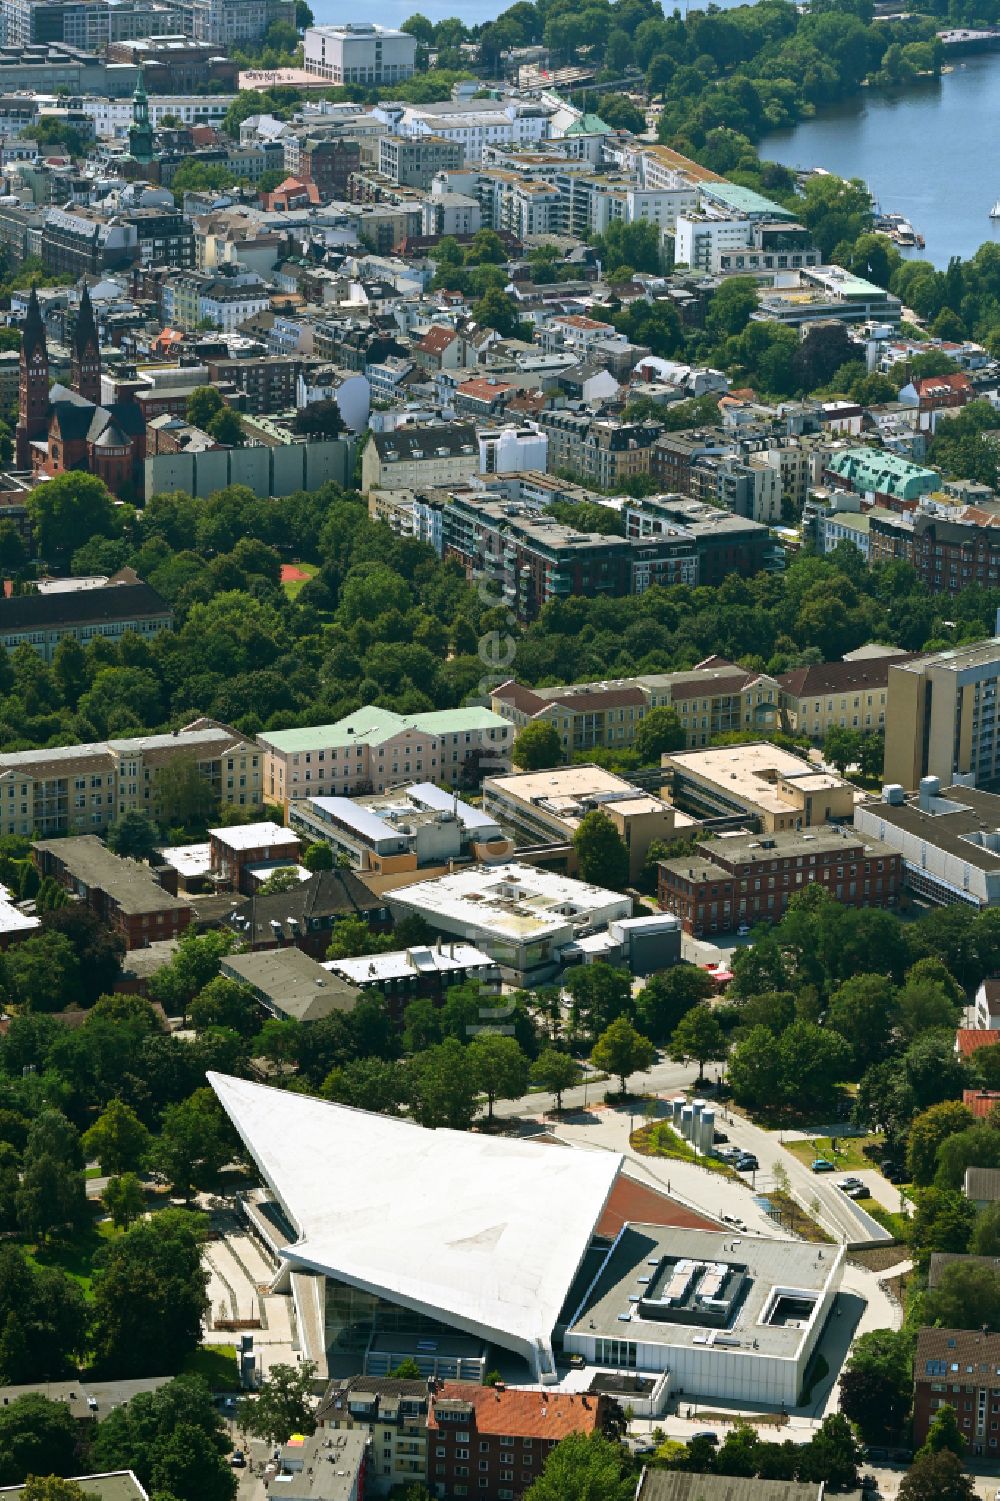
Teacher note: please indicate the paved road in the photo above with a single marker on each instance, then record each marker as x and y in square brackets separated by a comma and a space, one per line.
[838, 1214]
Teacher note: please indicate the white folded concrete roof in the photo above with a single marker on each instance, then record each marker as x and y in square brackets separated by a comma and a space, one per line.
[485, 1234]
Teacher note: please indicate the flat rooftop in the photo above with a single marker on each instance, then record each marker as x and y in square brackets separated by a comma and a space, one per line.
[411, 963]
[656, 1280]
[255, 836]
[963, 821]
[520, 900]
[958, 659]
[131, 885]
[752, 771]
[570, 792]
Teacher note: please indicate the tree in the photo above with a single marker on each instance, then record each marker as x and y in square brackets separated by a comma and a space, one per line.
[282, 1406]
[555, 1071]
[98, 951]
[813, 1062]
[196, 962]
[283, 878]
[660, 731]
[51, 1488]
[537, 746]
[754, 1069]
[833, 1454]
[68, 511]
[442, 1087]
[985, 1239]
[43, 972]
[936, 1477]
[194, 1142]
[133, 835]
[925, 1004]
[149, 1292]
[173, 1439]
[118, 1139]
[319, 419]
[602, 857]
[944, 1434]
[620, 113]
[498, 310]
[730, 308]
[184, 793]
[966, 1296]
[43, 1320]
[499, 1066]
[863, 1010]
[318, 856]
[841, 747]
[876, 1384]
[226, 1003]
[928, 1131]
[51, 1198]
[587, 1468]
[698, 1036]
[942, 1221]
[621, 1050]
[600, 993]
[669, 995]
[377, 1084]
[36, 1437]
[226, 427]
[124, 1198]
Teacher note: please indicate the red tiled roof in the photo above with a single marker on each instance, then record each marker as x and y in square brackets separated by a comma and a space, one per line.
[487, 389]
[842, 677]
[968, 1039]
[980, 1101]
[931, 383]
[524, 1414]
[714, 686]
[437, 339]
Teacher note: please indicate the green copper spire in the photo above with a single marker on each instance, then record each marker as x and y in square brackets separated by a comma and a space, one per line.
[140, 132]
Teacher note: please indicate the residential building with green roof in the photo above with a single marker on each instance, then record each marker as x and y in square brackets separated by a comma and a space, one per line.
[374, 749]
[879, 475]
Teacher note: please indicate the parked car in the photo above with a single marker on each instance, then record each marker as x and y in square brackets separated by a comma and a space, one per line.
[743, 931]
[747, 1163]
[822, 1165]
[708, 1436]
[852, 1187]
[869, 1484]
[238, 1460]
[876, 1456]
[721, 1136]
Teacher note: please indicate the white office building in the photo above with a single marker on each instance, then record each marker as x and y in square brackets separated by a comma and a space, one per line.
[360, 52]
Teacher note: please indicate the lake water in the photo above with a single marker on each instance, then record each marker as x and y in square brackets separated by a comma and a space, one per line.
[925, 153]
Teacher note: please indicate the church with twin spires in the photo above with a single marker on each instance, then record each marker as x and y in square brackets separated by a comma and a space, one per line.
[66, 428]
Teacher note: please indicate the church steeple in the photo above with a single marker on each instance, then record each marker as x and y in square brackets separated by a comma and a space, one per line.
[86, 367]
[140, 132]
[33, 392]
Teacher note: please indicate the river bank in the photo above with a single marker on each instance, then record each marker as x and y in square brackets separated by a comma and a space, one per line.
[923, 152]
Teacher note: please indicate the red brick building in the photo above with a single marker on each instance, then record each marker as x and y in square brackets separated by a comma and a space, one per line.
[750, 879]
[959, 1368]
[234, 850]
[122, 893]
[491, 1443]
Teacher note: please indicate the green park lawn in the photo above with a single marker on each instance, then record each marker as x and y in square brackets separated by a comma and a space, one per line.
[849, 1152]
[75, 1257]
[216, 1365]
[293, 586]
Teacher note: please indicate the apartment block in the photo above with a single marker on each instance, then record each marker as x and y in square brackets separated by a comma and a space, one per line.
[246, 854]
[846, 695]
[493, 1443]
[419, 973]
[111, 610]
[720, 542]
[82, 788]
[949, 551]
[605, 453]
[418, 456]
[959, 1368]
[393, 1412]
[715, 698]
[374, 749]
[122, 893]
[941, 717]
[751, 879]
